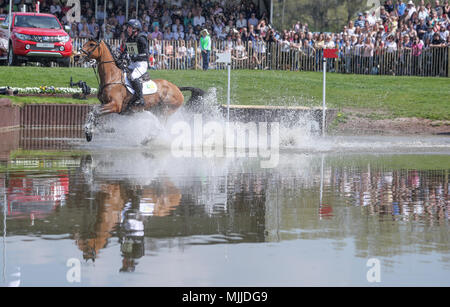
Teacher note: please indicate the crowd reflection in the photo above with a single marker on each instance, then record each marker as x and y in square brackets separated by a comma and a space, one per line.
[403, 194]
[141, 207]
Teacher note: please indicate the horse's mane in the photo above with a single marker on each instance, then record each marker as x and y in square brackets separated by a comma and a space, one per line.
[113, 52]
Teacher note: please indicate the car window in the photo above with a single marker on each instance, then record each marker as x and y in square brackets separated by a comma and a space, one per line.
[31, 21]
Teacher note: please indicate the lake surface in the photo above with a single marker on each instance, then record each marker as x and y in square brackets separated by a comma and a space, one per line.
[329, 214]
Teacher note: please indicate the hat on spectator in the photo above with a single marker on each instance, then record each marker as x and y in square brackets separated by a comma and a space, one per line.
[204, 31]
[410, 3]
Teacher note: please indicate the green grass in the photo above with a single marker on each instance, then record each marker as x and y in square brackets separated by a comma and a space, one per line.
[391, 96]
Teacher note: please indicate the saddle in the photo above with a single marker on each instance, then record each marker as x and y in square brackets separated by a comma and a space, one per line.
[145, 77]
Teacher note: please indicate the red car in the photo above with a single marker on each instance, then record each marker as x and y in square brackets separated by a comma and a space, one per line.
[36, 37]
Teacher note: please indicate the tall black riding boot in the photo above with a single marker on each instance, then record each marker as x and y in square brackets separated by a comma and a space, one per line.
[138, 99]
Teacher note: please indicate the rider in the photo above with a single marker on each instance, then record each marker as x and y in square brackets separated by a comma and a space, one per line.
[137, 47]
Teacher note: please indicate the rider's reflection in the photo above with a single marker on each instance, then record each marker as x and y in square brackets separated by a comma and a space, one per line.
[122, 210]
[131, 237]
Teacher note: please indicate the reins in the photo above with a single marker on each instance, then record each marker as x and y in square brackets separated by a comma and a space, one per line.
[102, 87]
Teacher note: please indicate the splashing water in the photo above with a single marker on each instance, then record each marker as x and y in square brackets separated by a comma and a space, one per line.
[302, 134]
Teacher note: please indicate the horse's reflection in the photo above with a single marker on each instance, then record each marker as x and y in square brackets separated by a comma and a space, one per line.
[122, 209]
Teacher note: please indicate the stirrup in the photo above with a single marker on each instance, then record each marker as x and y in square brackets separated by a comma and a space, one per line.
[140, 102]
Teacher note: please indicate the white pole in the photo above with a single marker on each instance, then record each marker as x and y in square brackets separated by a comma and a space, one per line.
[104, 19]
[10, 18]
[126, 9]
[137, 9]
[321, 180]
[324, 92]
[321, 187]
[271, 11]
[228, 92]
[96, 9]
[4, 232]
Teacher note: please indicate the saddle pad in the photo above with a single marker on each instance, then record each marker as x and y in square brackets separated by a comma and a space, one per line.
[148, 87]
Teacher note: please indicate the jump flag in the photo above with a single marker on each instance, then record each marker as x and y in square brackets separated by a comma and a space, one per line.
[330, 53]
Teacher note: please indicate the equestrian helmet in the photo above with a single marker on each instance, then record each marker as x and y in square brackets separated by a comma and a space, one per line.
[135, 24]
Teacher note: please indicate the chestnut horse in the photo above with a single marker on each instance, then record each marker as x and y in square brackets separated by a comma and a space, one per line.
[113, 93]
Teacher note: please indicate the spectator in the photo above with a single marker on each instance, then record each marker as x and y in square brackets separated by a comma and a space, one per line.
[167, 34]
[411, 8]
[241, 22]
[360, 21]
[190, 36]
[205, 45]
[253, 20]
[55, 9]
[437, 41]
[156, 33]
[120, 18]
[199, 20]
[188, 20]
[85, 33]
[177, 25]
[443, 33]
[401, 7]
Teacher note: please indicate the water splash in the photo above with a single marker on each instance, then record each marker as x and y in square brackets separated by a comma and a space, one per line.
[301, 134]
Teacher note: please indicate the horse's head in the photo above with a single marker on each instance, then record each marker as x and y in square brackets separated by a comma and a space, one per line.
[89, 51]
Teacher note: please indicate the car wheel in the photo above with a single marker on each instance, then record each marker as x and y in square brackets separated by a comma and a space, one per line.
[12, 59]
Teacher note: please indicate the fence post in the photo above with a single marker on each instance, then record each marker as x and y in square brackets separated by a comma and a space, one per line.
[448, 61]
[195, 55]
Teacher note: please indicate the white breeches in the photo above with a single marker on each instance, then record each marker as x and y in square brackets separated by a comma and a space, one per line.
[138, 69]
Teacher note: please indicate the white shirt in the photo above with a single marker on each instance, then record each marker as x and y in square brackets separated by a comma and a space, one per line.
[411, 11]
[175, 28]
[391, 46]
[371, 20]
[253, 21]
[198, 21]
[423, 14]
[177, 3]
[241, 23]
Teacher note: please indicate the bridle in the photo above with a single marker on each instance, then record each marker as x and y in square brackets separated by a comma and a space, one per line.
[88, 55]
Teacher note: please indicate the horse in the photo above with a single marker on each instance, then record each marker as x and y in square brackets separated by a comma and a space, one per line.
[111, 200]
[114, 95]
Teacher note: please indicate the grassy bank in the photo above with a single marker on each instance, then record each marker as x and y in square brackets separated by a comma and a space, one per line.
[377, 96]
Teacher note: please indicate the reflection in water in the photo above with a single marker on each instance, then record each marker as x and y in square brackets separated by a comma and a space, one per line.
[147, 203]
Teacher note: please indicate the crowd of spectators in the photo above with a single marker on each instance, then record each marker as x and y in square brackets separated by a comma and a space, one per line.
[396, 26]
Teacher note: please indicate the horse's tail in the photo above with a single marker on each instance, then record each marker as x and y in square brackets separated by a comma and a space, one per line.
[195, 101]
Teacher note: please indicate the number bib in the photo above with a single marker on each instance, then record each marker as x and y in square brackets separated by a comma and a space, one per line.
[132, 48]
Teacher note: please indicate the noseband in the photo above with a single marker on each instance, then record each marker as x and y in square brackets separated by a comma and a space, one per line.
[89, 53]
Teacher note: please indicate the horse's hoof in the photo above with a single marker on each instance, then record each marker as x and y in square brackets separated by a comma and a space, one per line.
[88, 136]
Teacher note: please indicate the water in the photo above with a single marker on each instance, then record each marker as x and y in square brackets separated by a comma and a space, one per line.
[139, 216]
[127, 210]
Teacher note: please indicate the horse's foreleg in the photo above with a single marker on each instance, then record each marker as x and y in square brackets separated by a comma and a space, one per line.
[94, 115]
[91, 122]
